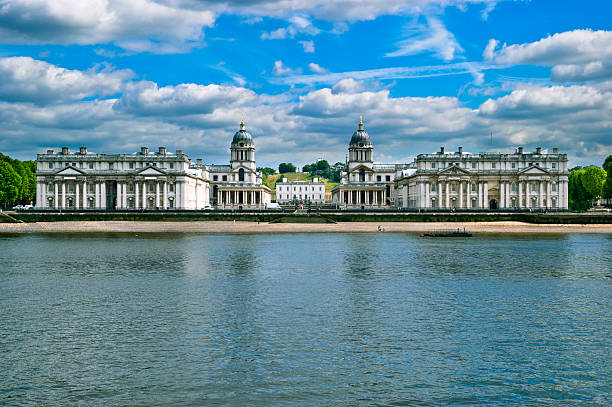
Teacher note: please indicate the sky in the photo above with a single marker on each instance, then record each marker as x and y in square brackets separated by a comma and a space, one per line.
[487, 75]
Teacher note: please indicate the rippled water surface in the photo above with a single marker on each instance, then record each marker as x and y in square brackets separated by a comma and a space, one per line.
[305, 319]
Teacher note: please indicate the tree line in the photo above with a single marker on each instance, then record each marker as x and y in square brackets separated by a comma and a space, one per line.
[17, 181]
[588, 183]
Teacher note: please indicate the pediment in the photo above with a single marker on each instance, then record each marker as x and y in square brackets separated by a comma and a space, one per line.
[151, 171]
[70, 170]
[534, 170]
[454, 170]
[364, 167]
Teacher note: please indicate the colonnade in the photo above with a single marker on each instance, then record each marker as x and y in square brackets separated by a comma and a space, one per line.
[239, 197]
[366, 197]
[475, 194]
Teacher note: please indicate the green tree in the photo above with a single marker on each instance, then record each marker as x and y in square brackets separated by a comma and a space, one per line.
[10, 182]
[267, 170]
[606, 192]
[322, 165]
[579, 198]
[593, 180]
[284, 168]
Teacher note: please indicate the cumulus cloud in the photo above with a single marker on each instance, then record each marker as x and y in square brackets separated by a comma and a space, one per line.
[316, 68]
[308, 46]
[280, 69]
[299, 25]
[578, 55]
[135, 25]
[433, 38]
[348, 85]
[146, 98]
[26, 79]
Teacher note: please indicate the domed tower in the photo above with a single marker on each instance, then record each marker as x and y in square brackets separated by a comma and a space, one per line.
[360, 148]
[243, 149]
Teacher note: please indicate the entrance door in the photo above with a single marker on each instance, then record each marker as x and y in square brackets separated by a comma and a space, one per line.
[493, 204]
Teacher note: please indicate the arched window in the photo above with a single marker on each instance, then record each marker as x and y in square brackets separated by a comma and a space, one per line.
[362, 175]
[241, 174]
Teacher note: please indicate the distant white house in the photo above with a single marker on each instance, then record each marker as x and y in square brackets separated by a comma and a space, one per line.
[301, 192]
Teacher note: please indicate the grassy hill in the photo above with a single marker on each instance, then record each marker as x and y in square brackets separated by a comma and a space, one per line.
[271, 180]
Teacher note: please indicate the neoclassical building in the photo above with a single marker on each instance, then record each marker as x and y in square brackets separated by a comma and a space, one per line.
[149, 180]
[300, 192]
[365, 184]
[239, 185]
[461, 180]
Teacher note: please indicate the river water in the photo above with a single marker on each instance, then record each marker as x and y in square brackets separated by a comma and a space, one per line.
[305, 319]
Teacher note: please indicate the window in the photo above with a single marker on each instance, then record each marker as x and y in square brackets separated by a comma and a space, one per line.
[554, 187]
[80, 165]
[513, 187]
[67, 164]
[378, 178]
[433, 165]
[362, 175]
[74, 164]
[50, 187]
[171, 203]
[91, 166]
[131, 166]
[533, 187]
[215, 178]
[111, 166]
[493, 165]
[71, 187]
[473, 201]
[171, 166]
[50, 165]
[453, 187]
[151, 187]
[473, 187]
[473, 165]
[225, 178]
[131, 187]
[241, 175]
[388, 178]
[513, 165]
[433, 187]
[554, 165]
[92, 188]
[171, 187]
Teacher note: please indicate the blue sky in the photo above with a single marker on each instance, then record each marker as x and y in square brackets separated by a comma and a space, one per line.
[117, 75]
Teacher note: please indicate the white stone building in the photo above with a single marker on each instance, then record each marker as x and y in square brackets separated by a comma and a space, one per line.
[365, 184]
[147, 180]
[461, 180]
[300, 192]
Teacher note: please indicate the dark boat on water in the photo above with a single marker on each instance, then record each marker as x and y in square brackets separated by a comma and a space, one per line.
[447, 233]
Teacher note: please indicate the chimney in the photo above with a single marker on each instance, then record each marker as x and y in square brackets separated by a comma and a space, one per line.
[315, 180]
[83, 150]
[144, 150]
[520, 150]
[538, 150]
[65, 150]
[441, 150]
[179, 152]
[555, 150]
[49, 151]
[162, 151]
[284, 180]
[460, 150]
[199, 161]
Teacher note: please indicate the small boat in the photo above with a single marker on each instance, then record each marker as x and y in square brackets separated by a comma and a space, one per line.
[447, 233]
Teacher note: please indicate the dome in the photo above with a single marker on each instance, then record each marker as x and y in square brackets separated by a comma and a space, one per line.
[360, 137]
[242, 136]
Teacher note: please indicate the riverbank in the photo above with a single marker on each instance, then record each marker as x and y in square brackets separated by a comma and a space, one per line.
[254, 227]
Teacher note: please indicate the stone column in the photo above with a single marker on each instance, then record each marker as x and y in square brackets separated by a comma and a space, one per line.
[427, 195]
[103, 194]
[485, 187]
[156, 194]
[460, 194]
[502, 195]
[439, 194]
[63, 194]
[527, 194]
[85, 194]
[447, 190]
[136, 195]
[43, 196]
[144, 195]
[96, 195]
[165, 205]
[76, 196]
[479, 194]
[540, 194]
[548, 202]
[519, 185]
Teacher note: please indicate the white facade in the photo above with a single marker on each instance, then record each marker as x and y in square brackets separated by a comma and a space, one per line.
[522, 180]
[288, 192]
[146, 180]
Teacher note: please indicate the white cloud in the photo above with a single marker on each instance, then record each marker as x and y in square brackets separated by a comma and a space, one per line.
[308, 46]
[29, 80]
[348, 85]
[299, 25]
[316, 68]
[135, 25]
[146, 98]
[433, 38]
[280, 69]
[578, 55]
